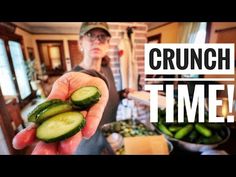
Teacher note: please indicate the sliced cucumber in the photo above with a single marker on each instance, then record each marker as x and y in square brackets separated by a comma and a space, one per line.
[52, 110]
[85, 97]
[33, 115]
[60, 127]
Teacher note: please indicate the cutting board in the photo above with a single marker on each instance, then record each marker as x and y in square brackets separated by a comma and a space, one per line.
[143, 97]
[146, 145]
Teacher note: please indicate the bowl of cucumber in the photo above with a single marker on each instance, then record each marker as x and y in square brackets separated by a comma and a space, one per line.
[195, 137]
[197, 142]
[198, 147]
[127, 128]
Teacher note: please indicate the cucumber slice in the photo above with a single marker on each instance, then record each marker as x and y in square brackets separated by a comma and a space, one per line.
[85, 97]
[33, 115]
[60, 127]
[52, 110]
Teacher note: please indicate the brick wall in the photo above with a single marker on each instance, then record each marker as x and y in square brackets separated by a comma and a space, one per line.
[140, 33]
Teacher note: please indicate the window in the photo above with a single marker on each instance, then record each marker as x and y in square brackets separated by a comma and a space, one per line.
[200, 39]
[6, 79]
[20, 70]
[13, 77]
[201, 34]
[54, 55]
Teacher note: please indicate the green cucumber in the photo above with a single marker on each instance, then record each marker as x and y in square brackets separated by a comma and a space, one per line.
[52, 110]
[164, 129]
[175, 128]
[184, 131]
[33, 115]
[203, 130]
[85, 97]
[60, 127]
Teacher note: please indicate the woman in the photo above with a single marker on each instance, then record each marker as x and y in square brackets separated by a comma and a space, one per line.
[94, 70]
[94, 43]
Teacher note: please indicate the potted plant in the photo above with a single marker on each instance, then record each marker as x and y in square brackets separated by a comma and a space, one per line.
[31, 73]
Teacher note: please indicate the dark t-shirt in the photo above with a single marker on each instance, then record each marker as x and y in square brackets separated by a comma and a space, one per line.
[97, 143]
[109, 114]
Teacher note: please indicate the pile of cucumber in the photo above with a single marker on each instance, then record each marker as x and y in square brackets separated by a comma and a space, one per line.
[127, 128]
[198, 133]
[57, 120]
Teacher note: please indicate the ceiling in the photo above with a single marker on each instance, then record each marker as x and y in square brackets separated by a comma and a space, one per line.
[50, 27]
[65, 27]
[152, 25]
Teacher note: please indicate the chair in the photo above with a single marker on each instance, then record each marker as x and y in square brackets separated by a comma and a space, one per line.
[10, 120]
[15, 114]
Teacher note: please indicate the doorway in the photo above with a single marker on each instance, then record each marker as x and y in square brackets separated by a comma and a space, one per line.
[52, 56]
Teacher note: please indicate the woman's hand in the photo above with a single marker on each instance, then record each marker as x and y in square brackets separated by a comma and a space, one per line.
[124, 93]
[62, 89]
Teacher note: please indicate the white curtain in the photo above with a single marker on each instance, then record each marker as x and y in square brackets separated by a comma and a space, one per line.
[128, 64]
[188, 32]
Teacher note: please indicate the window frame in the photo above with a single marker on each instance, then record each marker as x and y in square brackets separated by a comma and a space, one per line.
[7, 36]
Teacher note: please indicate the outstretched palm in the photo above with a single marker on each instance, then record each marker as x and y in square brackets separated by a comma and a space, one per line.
[62, 89]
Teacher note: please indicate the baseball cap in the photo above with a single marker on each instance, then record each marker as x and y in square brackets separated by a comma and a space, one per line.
[87, 26]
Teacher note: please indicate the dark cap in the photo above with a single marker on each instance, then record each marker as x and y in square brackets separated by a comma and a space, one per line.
[87, 26]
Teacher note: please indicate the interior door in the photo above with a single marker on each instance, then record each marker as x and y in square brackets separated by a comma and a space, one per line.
[75, 54]
[52, 56]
